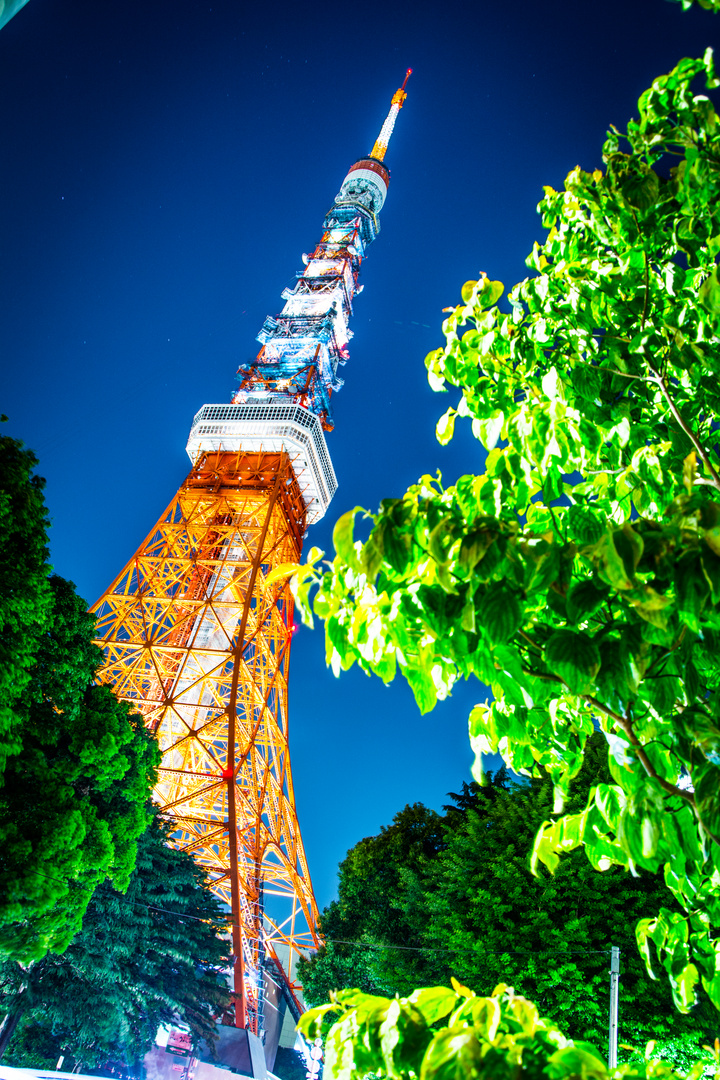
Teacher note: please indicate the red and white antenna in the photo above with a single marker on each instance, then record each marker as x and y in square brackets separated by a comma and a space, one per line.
[381, 144]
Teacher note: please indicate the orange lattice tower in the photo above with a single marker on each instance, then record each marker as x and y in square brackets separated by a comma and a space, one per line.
[198, 639]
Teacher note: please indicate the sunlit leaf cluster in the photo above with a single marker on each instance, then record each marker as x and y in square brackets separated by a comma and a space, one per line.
[438, 1033]
[578, 576]
[709, 5]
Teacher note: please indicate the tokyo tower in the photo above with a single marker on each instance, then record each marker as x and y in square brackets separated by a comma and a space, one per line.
[196, 638]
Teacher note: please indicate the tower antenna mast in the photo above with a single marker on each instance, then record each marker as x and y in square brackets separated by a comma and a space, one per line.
[381, 143]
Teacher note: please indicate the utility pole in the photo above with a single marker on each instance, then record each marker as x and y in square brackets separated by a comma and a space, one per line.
[614, 990]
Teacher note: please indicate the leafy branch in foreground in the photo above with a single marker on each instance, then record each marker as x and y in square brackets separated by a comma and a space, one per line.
[434, 896]
[498, 1036]
[579, 576]
[709, 5]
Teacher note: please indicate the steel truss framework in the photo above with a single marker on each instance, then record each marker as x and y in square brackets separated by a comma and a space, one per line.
[198, 641]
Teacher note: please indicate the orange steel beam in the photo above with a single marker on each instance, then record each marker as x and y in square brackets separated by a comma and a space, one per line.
[197, 641]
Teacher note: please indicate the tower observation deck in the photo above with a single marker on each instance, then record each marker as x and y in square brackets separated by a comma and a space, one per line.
[197, 639]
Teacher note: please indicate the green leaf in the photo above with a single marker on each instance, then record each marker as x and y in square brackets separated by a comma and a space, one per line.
[485, 1014]
[489, 428]
[499, 612]
[684, 984]
[691, 589]
[371, 556]
[578, 1060]
[422, 686]
[343, 537]
[395, 543]
[434, 1002]
[284, 570]
[445, 427]
[706, 780]
[710, 562]
[629, 546]
[442, 537]
[642, 190]
[583, 600]
[490, 293]
[611, 565]
[298, 571]
[552, 384]
[642, 934]
[662, 691]
[473, 547]
[404, 1036]
[310, 1021]
[574, 657]
[703, 731]
[562, 835]
[460, 990]
[468, 291]
[525, 1014]
[709, 294]
[586, 525]
[454, 1054]
[552, 488]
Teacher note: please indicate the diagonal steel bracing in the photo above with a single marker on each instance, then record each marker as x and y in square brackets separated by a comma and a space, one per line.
[198, 642]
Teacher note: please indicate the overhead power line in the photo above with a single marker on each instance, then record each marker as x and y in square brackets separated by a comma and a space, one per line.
[504, 952]
[344, 941]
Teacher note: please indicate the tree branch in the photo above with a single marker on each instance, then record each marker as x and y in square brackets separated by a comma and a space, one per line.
[647, 287]
[626, 725]
[680, 420]
[524, 634]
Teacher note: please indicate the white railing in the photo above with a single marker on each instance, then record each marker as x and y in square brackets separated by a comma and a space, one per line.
[271, 427]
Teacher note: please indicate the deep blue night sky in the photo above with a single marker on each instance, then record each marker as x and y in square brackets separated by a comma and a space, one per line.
[165, 164]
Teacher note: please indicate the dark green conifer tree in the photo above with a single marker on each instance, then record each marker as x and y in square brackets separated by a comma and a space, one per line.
[156, 953]
[25, 598]
[433, 897]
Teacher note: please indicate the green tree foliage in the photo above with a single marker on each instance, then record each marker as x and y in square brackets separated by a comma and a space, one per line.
[155, 953]
[709, 5]
[441, 1034]
[466, 905]
[77, 766]
[380, 903]
[25, 598]
[579, 575]
[74, 799]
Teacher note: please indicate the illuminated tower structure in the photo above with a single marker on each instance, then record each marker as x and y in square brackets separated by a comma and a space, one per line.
[197, 639]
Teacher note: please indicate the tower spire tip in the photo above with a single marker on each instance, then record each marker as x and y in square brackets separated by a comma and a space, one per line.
[398, 100]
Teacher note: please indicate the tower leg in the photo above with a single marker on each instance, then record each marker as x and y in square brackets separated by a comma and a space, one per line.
[198, 642]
